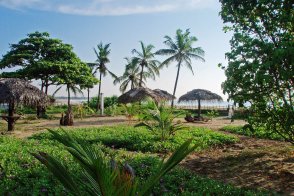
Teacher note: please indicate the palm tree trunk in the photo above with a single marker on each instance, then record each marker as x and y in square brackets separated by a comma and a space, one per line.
[176, 83]
[10, 119]
[141, 75]
[132, 85]
[99, 91]
[199, 109]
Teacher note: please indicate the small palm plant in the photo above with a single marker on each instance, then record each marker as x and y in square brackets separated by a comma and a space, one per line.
[159, 120]
[101, 177]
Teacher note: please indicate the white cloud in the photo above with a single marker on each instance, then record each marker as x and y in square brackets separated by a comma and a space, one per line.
[108, 7]
[16, 4]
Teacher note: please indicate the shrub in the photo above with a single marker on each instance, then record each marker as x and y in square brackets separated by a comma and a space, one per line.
[141, 139]
[159, 120]
[247, 130]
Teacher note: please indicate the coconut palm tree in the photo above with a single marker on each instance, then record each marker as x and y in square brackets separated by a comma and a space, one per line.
[131, 75]
[102, 58]
[180, 50]
[146, 61]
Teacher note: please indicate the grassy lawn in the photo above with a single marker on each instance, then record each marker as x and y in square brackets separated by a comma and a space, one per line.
[21, 174]
[140, 139]
[258, 133]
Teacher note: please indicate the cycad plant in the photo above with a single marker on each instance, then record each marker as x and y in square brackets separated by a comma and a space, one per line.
[159, 119]
[101, 177]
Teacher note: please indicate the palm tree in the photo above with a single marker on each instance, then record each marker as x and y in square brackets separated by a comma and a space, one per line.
[146, 61]
[181, 50]
[102, 59]
[131, 75]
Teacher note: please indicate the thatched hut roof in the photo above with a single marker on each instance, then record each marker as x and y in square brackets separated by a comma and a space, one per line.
[139, 94]
[18, 91]
[200, 94]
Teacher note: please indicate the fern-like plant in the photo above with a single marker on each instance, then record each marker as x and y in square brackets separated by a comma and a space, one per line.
[159, 119]
[101, 177]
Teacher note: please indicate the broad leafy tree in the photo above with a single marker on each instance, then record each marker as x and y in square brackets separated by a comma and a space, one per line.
[147, 62]
[74, 75]
[38, 56]
[102, 54]
[180, 50]
[261, 62]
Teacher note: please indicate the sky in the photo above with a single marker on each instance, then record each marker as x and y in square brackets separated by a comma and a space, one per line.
[123, 23]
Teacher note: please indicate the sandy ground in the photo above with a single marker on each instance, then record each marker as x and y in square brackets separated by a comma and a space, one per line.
[251, 162]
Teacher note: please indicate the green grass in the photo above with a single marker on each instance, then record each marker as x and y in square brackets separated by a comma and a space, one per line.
[258, 132]
[21, 174]
[140, 139]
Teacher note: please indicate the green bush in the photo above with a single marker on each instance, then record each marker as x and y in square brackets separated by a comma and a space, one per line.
[108, 101]
[140, 139]
[253, 132]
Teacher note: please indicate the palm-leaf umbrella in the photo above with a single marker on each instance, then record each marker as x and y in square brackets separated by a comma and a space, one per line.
[139, 94]
[200, 94]
[15, 92]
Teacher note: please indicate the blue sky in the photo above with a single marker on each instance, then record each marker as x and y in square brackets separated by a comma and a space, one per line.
[123, 23]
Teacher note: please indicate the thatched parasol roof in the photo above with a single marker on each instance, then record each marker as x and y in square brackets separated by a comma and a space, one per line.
[164, 94]
[18, 91]
[200, 94]
[139, 94]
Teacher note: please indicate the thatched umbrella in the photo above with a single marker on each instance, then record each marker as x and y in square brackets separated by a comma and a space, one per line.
[139, 94]
[15, 91]
[164, 94]
[200, 94]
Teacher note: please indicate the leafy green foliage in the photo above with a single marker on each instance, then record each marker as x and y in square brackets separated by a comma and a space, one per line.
[108, 101]
[102, 178]
[141, 139]
[260, 132]
[180, 50]
[260, 68]
[21, 174]
[159, 120]
[212, 114]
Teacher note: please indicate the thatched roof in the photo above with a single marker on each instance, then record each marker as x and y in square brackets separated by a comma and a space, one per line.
[200, 94]
[164, 94]
[18, 91]
[139, 94]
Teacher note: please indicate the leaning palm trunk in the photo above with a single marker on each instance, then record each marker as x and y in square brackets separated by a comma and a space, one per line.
[99, 91]
[176, 83]
[101, 177]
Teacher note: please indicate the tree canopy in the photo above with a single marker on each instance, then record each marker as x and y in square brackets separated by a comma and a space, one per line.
[260, 64]
[39, 57]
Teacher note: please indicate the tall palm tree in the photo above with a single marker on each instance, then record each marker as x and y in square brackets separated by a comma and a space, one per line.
[146, 61]
[131, 75]
[180, 50]
[102, 58]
